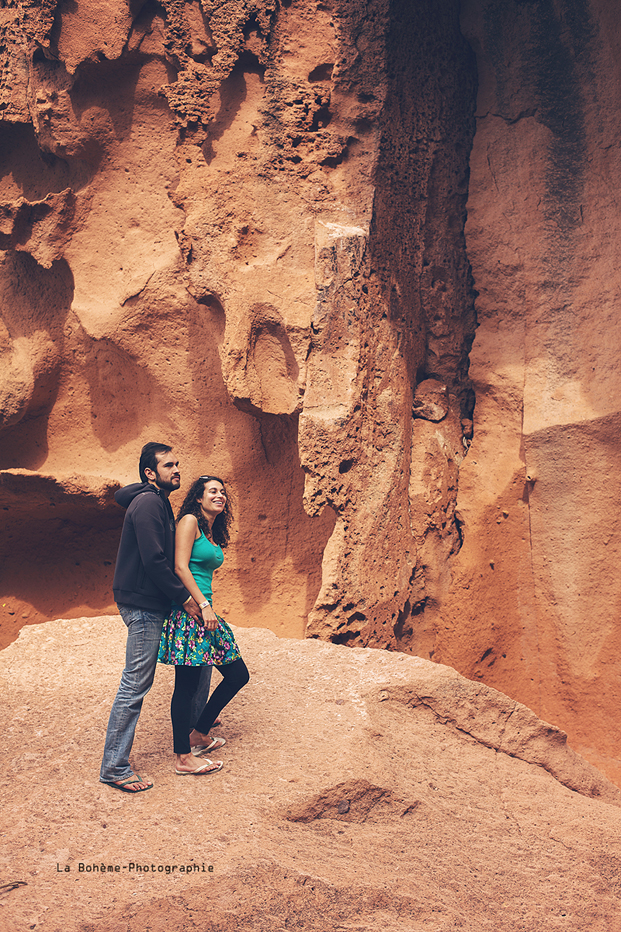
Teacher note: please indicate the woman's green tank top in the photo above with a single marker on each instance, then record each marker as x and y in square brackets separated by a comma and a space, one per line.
[205, 558]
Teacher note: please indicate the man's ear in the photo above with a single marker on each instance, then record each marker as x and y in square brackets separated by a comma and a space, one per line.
[150, 474]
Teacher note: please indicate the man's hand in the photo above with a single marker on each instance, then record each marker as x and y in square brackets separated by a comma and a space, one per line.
[192, 609]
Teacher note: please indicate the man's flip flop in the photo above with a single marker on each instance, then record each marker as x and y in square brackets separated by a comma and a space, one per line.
[210, 766]
[214, 745]
[124, 785]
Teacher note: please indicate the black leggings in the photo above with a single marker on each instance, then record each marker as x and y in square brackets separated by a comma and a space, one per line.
[235, 676]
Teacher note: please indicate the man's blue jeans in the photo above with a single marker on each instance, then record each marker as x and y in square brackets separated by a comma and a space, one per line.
[144, 629]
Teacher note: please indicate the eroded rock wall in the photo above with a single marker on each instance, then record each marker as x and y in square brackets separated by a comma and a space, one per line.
[395, 309]
[534, 598]
[251, 216]
[162, 165]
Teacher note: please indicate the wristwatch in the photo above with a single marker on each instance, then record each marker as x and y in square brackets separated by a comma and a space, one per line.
[204, 604]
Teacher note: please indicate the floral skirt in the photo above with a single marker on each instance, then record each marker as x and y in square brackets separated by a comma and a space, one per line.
[188, 643]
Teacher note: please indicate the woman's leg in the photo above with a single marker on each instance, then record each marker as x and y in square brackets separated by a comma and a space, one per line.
[235, 676]
[201, 695]
[186, 684]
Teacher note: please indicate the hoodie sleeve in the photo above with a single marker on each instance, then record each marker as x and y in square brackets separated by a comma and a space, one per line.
[149, 519]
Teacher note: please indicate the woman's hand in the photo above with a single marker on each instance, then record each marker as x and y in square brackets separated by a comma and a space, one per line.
[209, 618]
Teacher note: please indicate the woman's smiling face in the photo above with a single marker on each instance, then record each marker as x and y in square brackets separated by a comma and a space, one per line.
[213, 501]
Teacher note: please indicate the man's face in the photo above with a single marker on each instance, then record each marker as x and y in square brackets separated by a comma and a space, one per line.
[166, 476]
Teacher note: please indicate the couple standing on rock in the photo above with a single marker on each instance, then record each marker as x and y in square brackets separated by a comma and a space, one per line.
[162, 586]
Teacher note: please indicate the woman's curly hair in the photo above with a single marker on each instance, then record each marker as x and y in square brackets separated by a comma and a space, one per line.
[220, 531]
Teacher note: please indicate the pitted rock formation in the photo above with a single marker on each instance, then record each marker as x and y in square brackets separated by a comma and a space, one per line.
[219, 188]
[241, 228]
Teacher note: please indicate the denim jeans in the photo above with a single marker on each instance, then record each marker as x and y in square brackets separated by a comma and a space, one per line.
[144, 628]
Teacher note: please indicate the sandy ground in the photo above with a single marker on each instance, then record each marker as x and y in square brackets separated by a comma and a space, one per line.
[342, 805]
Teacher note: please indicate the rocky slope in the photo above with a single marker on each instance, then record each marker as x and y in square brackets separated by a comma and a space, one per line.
[361, 789]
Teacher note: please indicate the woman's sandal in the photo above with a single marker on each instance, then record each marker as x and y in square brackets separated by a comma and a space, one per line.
[214, 745]
[210, 766]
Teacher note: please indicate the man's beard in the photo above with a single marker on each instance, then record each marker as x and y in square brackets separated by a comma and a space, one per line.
[166, 485]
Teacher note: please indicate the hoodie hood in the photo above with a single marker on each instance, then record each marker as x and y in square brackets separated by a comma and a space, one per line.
[128, 493]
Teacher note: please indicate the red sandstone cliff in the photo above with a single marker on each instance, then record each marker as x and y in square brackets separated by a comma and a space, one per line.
[265, 232]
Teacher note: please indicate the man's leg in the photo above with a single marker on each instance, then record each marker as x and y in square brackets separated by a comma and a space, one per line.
[144, 629]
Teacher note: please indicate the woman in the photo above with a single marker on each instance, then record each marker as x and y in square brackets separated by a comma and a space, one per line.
[203, 528]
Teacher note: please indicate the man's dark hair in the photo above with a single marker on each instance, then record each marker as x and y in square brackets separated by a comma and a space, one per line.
[148, 457]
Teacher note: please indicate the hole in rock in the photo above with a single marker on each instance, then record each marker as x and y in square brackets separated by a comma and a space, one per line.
[233, 93]
[116, 381]
[353, 801]
[321, 119]
[214, 314]
[357, 616]
[275, 369]
[321, 72]
[252, 26]
[26, 171]
[346, 637]
[34, 303]
[363, 126]
[83, 523]
[109, 87]
[201, 47]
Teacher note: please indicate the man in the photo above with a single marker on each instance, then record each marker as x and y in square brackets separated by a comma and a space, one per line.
[144, 586]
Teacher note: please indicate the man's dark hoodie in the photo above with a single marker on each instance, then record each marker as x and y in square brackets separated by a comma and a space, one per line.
[144, 575]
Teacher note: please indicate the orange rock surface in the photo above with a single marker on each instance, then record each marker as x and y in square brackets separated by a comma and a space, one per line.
[358, 259]
[533, 601]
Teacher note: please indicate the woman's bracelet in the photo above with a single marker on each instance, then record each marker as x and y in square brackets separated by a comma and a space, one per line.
[204, 604]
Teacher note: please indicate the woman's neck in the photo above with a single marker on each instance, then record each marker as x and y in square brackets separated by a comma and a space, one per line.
[208, 521]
